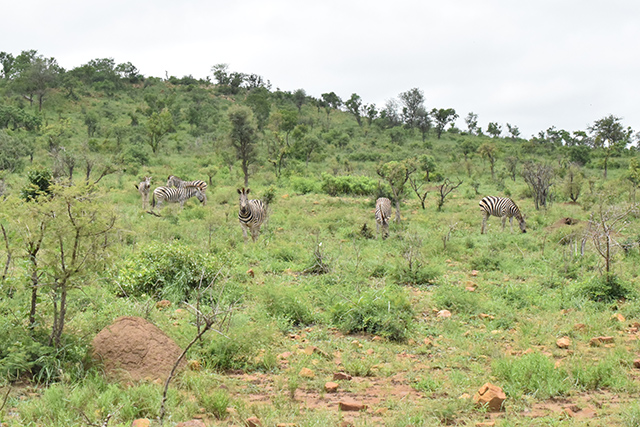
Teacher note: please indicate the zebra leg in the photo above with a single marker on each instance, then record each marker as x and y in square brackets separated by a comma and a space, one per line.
[244, 232]
[484, 223]
[511, 224]
[385, 231]
[255, 232]
[504, 221]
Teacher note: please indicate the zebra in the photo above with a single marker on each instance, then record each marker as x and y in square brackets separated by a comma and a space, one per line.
[502, 207]
[251, 215]
[143, 188]
[383, 214]
[175, 195]
[174, 181]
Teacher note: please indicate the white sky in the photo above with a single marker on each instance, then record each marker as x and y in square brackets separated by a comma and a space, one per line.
[534, 64]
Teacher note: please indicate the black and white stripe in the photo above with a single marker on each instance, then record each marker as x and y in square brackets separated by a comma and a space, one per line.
[175, 195]
[252, 214]
[144, 188]
[383, 214]
[502, 207]
[174, 181]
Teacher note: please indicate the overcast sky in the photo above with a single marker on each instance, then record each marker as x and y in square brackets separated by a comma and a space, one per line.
[533, 64]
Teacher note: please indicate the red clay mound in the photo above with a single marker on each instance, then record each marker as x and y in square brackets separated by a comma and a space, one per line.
[133, 349]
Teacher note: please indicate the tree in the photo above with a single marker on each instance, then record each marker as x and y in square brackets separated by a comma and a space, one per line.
[412, 102]
[610, 137]
[472, 123]
[354, 106]
[539, 178]
[443, 117]
[34, 76]
[514, 132]
[489, 151]
[159, 125]
[299, 98]
[396, 174]
[468, 147]
[445, 189]
[494, 129]
[423, 123]
[258, 100]
[573, 180]
[330, 101]
[243, 138]
[512, 166]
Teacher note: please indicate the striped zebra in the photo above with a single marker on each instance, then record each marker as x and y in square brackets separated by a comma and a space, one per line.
[252, 214]
[175, 195]
[143, 188]
[383, 214]
[174, 181]
[502, 207]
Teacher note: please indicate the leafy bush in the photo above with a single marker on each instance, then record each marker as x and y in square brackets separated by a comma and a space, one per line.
[386, 312]
[303, 185]
[533, 374]
[288, 304]
[604, 289]
[39, 184]
[172, 271]
[348, 185]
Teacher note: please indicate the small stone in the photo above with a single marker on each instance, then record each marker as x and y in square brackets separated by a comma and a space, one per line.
[306, 373]
[341, 376]
[486, 424]
[286, 425]
[563, 342]
[250, 273]
[253, 422]
[598, 341]
[231, 411]
[191, 423]
[579, 327]
[351, 406]
[331, 387]
[428, 343]
[636, 363]
[491, 396]
[474, 272]
[619, 317]
[141, 422]
[445, 314]
[163, 304]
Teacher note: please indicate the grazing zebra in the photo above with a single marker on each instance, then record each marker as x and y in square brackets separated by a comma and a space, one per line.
[383, 214]
[502, 207]
[251, 215]
[143, 188]
[174, 181]
[175, 195]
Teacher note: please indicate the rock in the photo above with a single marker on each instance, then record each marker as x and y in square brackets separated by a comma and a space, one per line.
[636, 363]
[253, 422]
[341, 376]
[163, 304]
[286, 425]
[191, 423]
[132, 349]
[345, 405]
[331, 387]
[250, 273]
[474, 272]
[619, 317]
[564, 342]
[306, 373]
[231, 411]
[486, 424]
[491, 396]
[598, 341]
[141, 422]
[445, 314]
[580, 327]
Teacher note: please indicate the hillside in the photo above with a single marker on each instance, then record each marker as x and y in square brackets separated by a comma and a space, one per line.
[413, 325]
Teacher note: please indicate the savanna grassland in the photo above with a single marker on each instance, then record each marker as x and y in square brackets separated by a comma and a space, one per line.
[419, 321]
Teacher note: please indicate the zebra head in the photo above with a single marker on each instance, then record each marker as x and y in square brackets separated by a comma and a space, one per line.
[244, 199]
[523, 225]
[173, 181]
[200, 196]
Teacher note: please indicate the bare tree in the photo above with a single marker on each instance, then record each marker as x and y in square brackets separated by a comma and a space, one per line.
[445, 189]
[539, 178]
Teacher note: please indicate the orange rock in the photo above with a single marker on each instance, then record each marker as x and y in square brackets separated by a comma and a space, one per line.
[636, 363]
[191, 423]
[445, 314]
[306, 373]
[351, 406]
[491, 396]
[253, 422]
[141, 422]
[579, 327]
[619, 317]
[163, 304]
[563, 342]
[598, 341]
[331, 387]
[251, 273]
[341, 376]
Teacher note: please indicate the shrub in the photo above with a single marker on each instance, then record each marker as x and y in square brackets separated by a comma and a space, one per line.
[168, 270]
[288, 304]
[348, 185]
[39, 184]
[604, 289]
[386, 312]
[303, 185]
[533, 374]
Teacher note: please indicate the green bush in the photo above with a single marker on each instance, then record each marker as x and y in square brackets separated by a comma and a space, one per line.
[172, 271]
[532, 374]
[604, 289]
[303, 185]
[287, 304]
[348, 185]
[386, 312]
[39, 184]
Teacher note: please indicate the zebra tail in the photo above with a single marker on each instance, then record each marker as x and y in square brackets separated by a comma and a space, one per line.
[153, 200]
[136, 185]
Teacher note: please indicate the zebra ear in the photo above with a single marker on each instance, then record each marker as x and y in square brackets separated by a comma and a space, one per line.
[247, 192]
[239, 191]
